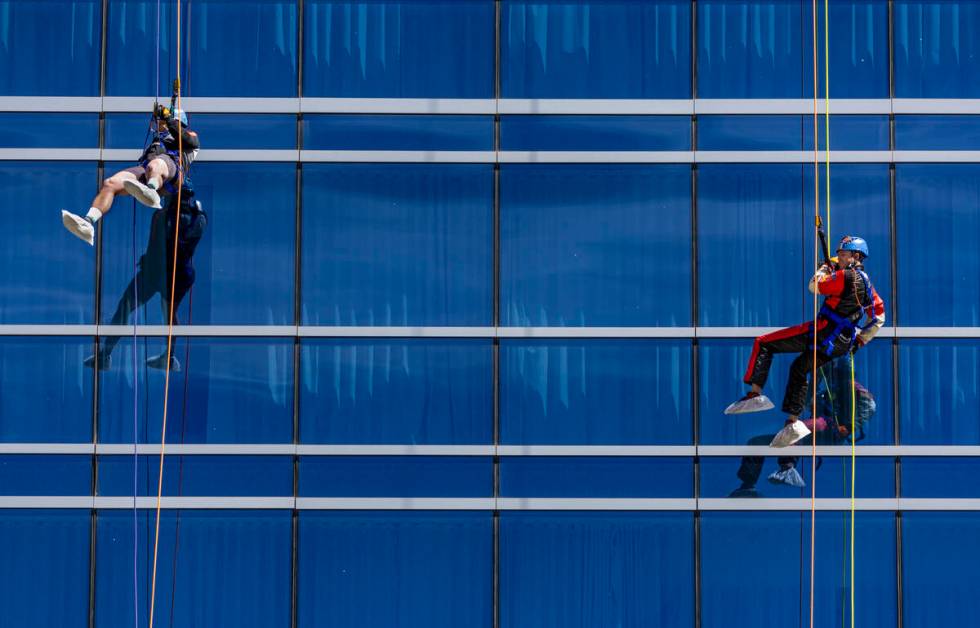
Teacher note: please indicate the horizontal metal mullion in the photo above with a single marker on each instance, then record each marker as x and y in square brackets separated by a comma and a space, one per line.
[589, 503]
[596, 450]
[936, 105]
[48, 448]
[775, 503]
[586, 157]
[936, 156]
[198, 330]
[789, 106]
[201, 503]
[395, 503]
[395, 450]
[575, 106]
[398, 156]
[434, 106]
[204, 449]
[395, 332]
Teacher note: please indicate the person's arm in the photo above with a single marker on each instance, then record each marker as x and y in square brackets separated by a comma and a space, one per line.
[827, 281]
[189, 140]
[876, 319]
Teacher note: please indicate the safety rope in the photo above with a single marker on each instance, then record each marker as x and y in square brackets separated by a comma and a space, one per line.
[853, 478]
[170, 332]
[816, 256]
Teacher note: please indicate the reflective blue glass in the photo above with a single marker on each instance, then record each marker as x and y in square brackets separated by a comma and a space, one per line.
[45, 392]
[229, 390]
[49, 130]
[50, 47]
[44, 582]
[398, 49]
[750, 476]
[763, 49]
[242, 558]
[45, 475]
[595, 392]
[244, 265]
[395, 476]
[197, 475]
[397, 132]
[848, 133]
[938, 202]
[216, 130]
[595, 49]
[940, 551]
[548, 132]
[860, 200]
[610, 477]
[729, 132]
[722, 364]
[747, 214]
[587, 569]
[937, 53]
[742, 551]
[383, 569]
[944, 477]
[783, 132]
[416, 391]
[595, 245]
[937, 132]
[141, 47]
[939, 384]
[432, 223]
[58, 286]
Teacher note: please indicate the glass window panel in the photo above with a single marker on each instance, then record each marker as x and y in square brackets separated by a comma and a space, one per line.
[848, 133]
[723, 362]
[398, 132]
[44, 582]
[749, 476]
[596, 49]
[716, 132]
[763, 49]
[57, 287]
[940, 551]
[50, 47]
[941, 477]
[243, 558]
[595, 392]
[136, 42]
[416, 391]
[739, 551]
[585, 569]
[49, 130]
[582, 245]
[45, 392]
[395, 476]
[942, 200]
[197, 475]
[398, 49]
[937, 132]
[383, 569]
[229, 390]
[243, 267]
[547, 132]
[610, 477]
[216, 130]
[748, 213]
[45, 475]
[433, 223]
[939, 384]
[937, 52]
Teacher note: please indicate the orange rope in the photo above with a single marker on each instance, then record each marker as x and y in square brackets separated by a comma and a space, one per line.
[816, 257]
[170, 336]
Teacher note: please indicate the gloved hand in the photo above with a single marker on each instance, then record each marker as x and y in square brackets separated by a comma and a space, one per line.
[162, 113]
[818, 426]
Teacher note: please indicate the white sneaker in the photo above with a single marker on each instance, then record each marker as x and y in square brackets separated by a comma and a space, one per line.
[751, 402]
[789, 477]
[142, 193]
[80, 227]
[790, 434]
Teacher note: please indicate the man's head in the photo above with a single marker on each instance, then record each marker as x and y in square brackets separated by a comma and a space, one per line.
[852, 250]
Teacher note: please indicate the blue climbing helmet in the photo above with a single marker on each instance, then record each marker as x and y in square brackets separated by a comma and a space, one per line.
[181, 115]
[853, 243]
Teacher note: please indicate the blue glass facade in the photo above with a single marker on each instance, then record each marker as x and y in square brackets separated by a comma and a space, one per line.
[478, 280]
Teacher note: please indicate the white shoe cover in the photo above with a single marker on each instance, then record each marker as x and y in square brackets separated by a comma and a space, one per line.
[752, 404]
[142, 193]
[78, 226]
[790, 434]
[790, 477]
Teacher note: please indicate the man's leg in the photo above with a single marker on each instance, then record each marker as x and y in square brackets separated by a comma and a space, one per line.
[789, 340]
[137, 293]
[183, 281]
[160, 170]
[84, 226]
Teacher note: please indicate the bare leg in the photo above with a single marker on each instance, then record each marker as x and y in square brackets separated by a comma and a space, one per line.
[111, 187]
[156, 173]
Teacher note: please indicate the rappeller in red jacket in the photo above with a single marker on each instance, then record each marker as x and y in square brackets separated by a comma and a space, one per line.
[850, 298]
